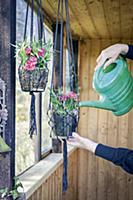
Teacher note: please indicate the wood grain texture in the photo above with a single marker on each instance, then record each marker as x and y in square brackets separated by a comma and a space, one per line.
[92, 125]
[51, 189]
[101, 19]
[83, 122]
[104, 180]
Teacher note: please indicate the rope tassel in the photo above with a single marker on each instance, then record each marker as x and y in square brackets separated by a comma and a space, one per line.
[65, 162]
[33, 127]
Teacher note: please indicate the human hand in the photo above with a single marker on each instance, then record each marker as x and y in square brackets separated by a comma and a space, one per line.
[76, 140]
[81, 142]
[110, 54]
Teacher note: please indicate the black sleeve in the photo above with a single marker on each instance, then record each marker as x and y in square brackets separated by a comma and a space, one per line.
[130, 52]
[119, 156]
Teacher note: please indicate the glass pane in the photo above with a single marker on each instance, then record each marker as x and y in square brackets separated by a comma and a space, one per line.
[46, 140]
[25, 147]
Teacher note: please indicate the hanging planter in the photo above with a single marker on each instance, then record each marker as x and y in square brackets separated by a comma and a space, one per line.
[33, 71]
[64, 113]
[63, 108]
[33, 57]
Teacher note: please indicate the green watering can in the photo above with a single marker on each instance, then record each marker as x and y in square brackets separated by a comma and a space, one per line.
[115, 86]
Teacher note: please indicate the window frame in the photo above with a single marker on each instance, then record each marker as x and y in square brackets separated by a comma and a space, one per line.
[38, 153]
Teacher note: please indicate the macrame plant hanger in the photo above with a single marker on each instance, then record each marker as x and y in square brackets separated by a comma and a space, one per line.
[41, 37]
[63, 6]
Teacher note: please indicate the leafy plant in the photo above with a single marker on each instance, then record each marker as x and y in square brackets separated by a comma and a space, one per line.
[14, 192]
[64, 103]
[33, 55]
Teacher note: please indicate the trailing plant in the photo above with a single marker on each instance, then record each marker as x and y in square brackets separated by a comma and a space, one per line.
[14, 192]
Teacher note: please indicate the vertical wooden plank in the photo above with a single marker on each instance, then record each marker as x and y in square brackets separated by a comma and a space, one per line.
[39, 193]
[60, 183]
[102, 138]
[92, 124]
[130, 138]
[122, 142]
[111, 141]
[75, 175]
[83, 126]
[111, 169]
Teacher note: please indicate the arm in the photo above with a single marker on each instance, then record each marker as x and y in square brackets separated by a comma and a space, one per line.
[119, 156]
[129, 54]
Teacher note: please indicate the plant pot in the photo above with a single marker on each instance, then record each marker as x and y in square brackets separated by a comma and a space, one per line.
[64, 125]
[33, 81]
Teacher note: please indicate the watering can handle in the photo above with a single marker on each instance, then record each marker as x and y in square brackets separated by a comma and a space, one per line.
[112, 65]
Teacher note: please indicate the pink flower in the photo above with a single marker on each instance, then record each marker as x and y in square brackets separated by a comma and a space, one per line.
[65, 97]
[28, 51]
[41, 52]
[73, 95]
[31, 63]
[33, 59]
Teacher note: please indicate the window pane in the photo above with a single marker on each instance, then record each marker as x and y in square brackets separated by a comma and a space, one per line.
[46, 140]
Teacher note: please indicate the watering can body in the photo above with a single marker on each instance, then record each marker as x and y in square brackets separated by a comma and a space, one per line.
[115, 87]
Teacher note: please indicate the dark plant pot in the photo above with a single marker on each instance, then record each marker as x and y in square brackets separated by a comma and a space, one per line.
[33, 81]
[64, 125]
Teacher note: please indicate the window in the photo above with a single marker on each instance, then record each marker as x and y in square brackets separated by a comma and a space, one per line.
[26, 148]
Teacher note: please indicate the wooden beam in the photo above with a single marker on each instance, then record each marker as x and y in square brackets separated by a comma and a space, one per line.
[7, 73]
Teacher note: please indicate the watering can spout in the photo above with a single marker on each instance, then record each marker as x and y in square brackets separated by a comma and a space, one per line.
[102, 104]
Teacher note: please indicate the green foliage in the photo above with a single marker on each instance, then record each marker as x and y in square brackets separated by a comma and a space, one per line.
[35, 46]
[64, 103]
[14, 192]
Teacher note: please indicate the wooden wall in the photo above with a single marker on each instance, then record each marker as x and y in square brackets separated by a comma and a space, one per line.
[51, 189]
[99, 179]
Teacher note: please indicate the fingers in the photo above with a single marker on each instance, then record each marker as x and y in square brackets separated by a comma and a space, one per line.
[101, 59]
[100, 63]
[74, 138]
[76, 135]
[110, 53]
[106, 61]
[110, 61]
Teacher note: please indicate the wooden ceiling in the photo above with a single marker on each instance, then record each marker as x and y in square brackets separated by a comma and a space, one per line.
[103, 19]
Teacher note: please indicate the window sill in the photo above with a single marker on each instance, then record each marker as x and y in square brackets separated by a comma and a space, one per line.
[35, 176]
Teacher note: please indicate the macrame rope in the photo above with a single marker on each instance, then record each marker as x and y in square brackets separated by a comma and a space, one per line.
[61, 48]
[55, 46]
[33, 128]
[66, 121]
[65, 163]
[26, 20]
[32, 21]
